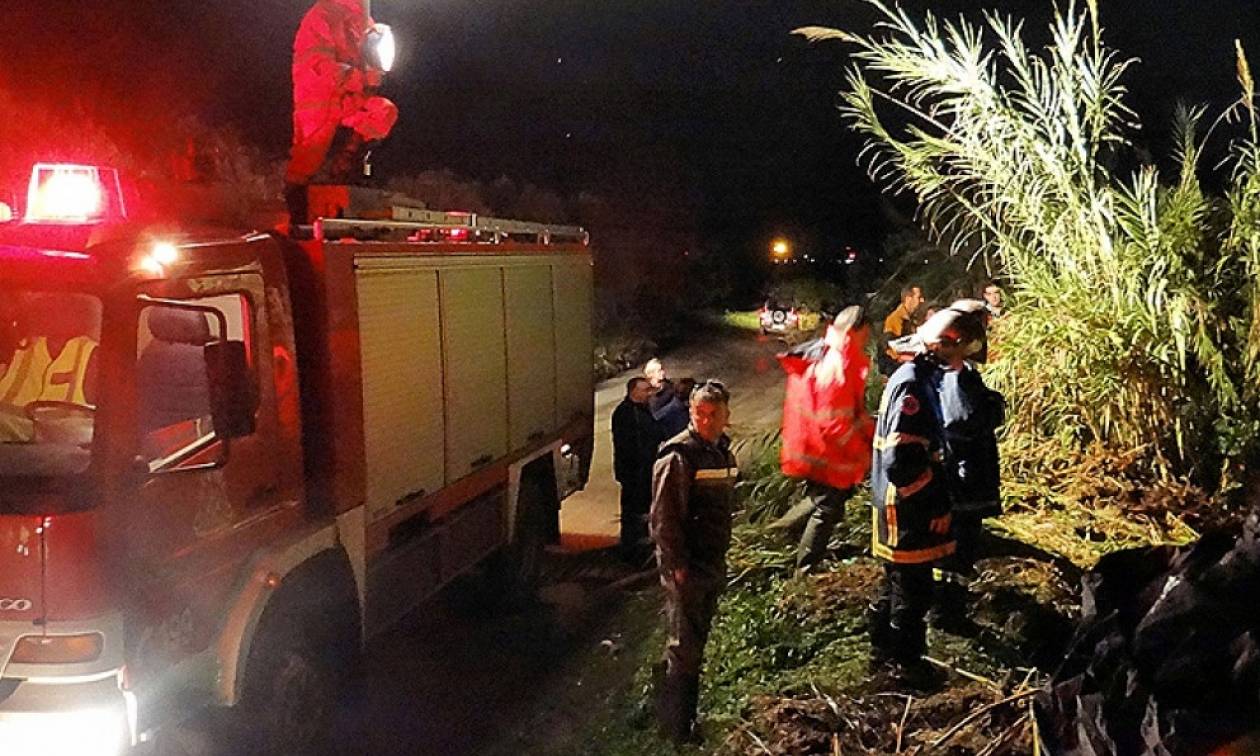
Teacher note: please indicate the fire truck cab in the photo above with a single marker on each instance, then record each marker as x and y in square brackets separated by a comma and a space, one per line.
[227, 458]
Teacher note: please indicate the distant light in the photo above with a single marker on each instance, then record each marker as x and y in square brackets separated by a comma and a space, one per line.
[559, 61]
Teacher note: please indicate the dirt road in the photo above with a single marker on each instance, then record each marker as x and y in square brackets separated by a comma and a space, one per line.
[450, 682]
[744, 362]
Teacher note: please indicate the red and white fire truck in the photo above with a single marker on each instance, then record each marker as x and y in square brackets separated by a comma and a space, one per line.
[228, 458]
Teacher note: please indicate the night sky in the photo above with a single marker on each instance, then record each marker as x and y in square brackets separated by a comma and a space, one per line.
[704, 100]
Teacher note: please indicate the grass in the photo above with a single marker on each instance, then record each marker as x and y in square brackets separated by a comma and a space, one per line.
[788, 661]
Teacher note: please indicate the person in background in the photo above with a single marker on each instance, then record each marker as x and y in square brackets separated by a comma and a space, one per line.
[662, 386]
[826, 429]
[673, 417]
[693, 495]
[899, 323]
[992, 295]
[636, 436]
[910, 497]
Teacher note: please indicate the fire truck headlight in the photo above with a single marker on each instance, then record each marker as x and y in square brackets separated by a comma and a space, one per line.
[380, 47]
[83, 732]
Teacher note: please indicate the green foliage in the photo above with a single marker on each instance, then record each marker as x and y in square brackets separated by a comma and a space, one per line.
[764, 492]
[810, 293]
[1135, 311]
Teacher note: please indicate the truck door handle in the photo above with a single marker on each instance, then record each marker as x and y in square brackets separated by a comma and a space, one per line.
[482, 461]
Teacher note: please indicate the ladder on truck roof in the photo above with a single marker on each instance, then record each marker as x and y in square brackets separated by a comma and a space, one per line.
[394, 218]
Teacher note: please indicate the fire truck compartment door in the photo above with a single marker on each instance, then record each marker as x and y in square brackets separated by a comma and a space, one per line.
[531, 347]
[401, 351]
[574, 310]
[475, 368]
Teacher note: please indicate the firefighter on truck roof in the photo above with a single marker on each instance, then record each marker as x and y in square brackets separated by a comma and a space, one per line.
[333, 92]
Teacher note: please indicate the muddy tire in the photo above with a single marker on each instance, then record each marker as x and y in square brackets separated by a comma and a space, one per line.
[306, 646]
[289, 697]
[515, 572]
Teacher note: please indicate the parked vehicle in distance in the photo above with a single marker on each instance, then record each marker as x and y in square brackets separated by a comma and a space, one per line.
[778, 318]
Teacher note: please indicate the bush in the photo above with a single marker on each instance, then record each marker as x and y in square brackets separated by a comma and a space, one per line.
[1133, 325]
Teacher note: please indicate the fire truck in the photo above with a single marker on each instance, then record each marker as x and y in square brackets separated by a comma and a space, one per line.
[228, 459]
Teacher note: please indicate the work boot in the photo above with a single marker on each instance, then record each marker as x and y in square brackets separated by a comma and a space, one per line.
[917, 674]
[676, 709]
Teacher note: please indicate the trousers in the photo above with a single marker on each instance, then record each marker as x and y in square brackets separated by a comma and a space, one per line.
[828, 510]
[689, 610]
[900, 612]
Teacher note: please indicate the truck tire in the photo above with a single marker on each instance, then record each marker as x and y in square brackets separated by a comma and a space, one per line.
[299, 655]
[516, 571]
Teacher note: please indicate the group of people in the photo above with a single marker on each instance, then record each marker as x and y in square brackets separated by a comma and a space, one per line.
[654, 410]
[931, 455]
[912, 311]
[673, 460]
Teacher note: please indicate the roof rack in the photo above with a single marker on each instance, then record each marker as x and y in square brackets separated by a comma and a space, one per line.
[474, 230]
[391, 217]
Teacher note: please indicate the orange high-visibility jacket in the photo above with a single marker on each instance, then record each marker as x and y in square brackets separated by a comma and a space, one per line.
[827, 431]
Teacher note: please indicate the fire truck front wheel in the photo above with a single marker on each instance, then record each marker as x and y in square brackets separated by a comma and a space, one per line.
[298, 656]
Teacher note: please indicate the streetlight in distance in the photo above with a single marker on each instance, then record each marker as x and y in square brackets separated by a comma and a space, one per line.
[780, 250]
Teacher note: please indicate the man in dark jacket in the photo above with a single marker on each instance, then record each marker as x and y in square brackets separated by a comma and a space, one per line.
[662, 387]
[635, 438]
[910, 495]
[693, 494]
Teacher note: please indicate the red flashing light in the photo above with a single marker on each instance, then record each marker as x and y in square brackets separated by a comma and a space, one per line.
[65, 193]
[459, 234]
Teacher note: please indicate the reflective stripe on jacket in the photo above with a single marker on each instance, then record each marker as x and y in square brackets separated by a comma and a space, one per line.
[693, 499]
[909, 492]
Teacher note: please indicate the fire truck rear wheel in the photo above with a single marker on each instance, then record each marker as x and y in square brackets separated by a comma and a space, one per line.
[516, 571]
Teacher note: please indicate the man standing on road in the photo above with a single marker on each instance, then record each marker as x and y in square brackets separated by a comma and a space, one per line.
[693, 496]
[662, 387]
[635, 438]
[898, 323]
[910, 496]
[826, 429]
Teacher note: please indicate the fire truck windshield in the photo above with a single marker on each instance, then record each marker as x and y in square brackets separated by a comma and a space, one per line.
[48, 365]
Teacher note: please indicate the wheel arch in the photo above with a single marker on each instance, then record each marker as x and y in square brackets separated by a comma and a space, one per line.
[316, 560]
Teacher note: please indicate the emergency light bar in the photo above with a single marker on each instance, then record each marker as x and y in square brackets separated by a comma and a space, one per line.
[73, 194]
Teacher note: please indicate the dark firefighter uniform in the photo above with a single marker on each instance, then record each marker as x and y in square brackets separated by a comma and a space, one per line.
[693, 494]
[910, 505]
[971, 414]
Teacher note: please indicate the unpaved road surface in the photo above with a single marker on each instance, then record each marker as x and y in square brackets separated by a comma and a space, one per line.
[451, 680]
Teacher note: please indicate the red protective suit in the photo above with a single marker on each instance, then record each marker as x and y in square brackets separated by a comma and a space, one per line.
[332, 86]
[827, 431]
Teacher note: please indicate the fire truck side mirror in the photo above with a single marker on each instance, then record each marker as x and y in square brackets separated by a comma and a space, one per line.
[233, 395]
